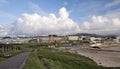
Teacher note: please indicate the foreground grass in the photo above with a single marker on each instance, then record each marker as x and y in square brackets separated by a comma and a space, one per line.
[15, 52]
[64, 60]
[2, 59]
[11, 53]
[52, 59]
[33, 62]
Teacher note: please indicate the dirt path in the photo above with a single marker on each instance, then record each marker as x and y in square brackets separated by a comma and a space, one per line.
[42, 61]
[16, 62]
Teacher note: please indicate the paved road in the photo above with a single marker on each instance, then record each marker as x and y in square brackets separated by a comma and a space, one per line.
[16, 62]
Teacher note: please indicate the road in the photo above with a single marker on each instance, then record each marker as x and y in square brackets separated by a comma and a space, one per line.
[15, 62]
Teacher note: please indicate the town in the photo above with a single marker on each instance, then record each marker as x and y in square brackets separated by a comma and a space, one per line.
[59, 34]
[90, 45]
[77, 38]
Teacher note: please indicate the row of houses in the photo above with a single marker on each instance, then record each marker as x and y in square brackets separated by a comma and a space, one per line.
[15, 40]
[117, 39]
[90, 39]
[51, 38]
[95, 39]
[54, 38]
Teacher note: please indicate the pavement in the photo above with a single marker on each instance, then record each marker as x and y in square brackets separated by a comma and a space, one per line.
[108, 57]
[15, 62]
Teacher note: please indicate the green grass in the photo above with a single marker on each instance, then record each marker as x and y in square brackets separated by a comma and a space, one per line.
[33, 62]
[2, 59]
[10, 53]
[15, 52]
[55, 59]
[65, 60]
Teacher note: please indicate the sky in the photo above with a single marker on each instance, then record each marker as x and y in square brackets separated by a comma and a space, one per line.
[60, 17]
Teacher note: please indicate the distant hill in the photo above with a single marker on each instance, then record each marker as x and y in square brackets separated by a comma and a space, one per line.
[95, 35]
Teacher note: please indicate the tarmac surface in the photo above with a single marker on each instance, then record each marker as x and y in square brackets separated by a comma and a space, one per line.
[15, 62]
[108, 57]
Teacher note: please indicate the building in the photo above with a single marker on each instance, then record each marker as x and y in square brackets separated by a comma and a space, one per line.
[43, 39]
[110, 39]
[73, 38]
[15, 40]
[51, 38]
[95, 40]
[84, 38]
[60, 39]
[117, 39]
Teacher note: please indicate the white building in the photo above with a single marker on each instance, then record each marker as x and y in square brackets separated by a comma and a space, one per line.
[118, 39]
[60, 38]
[43, 39]
[84, 38]
[73, 38]
[95, 39]
[15, 40]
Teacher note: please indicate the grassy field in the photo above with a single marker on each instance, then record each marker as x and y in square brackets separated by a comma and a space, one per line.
[2, 59]
[53, 59]
[33, 62]
[42, 57]
[65, 60]
[11, 53]
[15, 52]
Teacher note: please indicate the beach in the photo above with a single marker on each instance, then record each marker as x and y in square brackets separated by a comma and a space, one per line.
[108, 57]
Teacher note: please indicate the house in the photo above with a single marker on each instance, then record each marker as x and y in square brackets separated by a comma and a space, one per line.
[117, 40]
[51, 38]
[73, 38]
[59, 39]
[110, 39]
[95, 40]
[84, 38]
[43, 39]
[15, 40]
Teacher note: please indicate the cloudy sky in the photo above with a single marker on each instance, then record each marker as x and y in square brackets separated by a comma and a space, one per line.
[61, 17]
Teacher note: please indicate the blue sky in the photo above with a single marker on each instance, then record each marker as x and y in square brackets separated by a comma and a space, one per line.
[83, 13]
[79, 9]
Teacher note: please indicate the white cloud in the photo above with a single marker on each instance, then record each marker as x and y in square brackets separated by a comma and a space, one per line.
[3, 31]
[35, 24]
[113, 3]
[106, 24]
[63, 13]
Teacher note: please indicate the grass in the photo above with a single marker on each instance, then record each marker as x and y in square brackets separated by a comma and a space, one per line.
[53, 59]
[11, 53]
[33, 62]
[65, 60]
[2, 59]
[15, 52]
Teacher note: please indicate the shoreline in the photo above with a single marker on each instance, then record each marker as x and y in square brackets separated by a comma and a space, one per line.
[103, 58]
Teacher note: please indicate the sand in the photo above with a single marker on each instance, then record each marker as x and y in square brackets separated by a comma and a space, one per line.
[109, 57]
